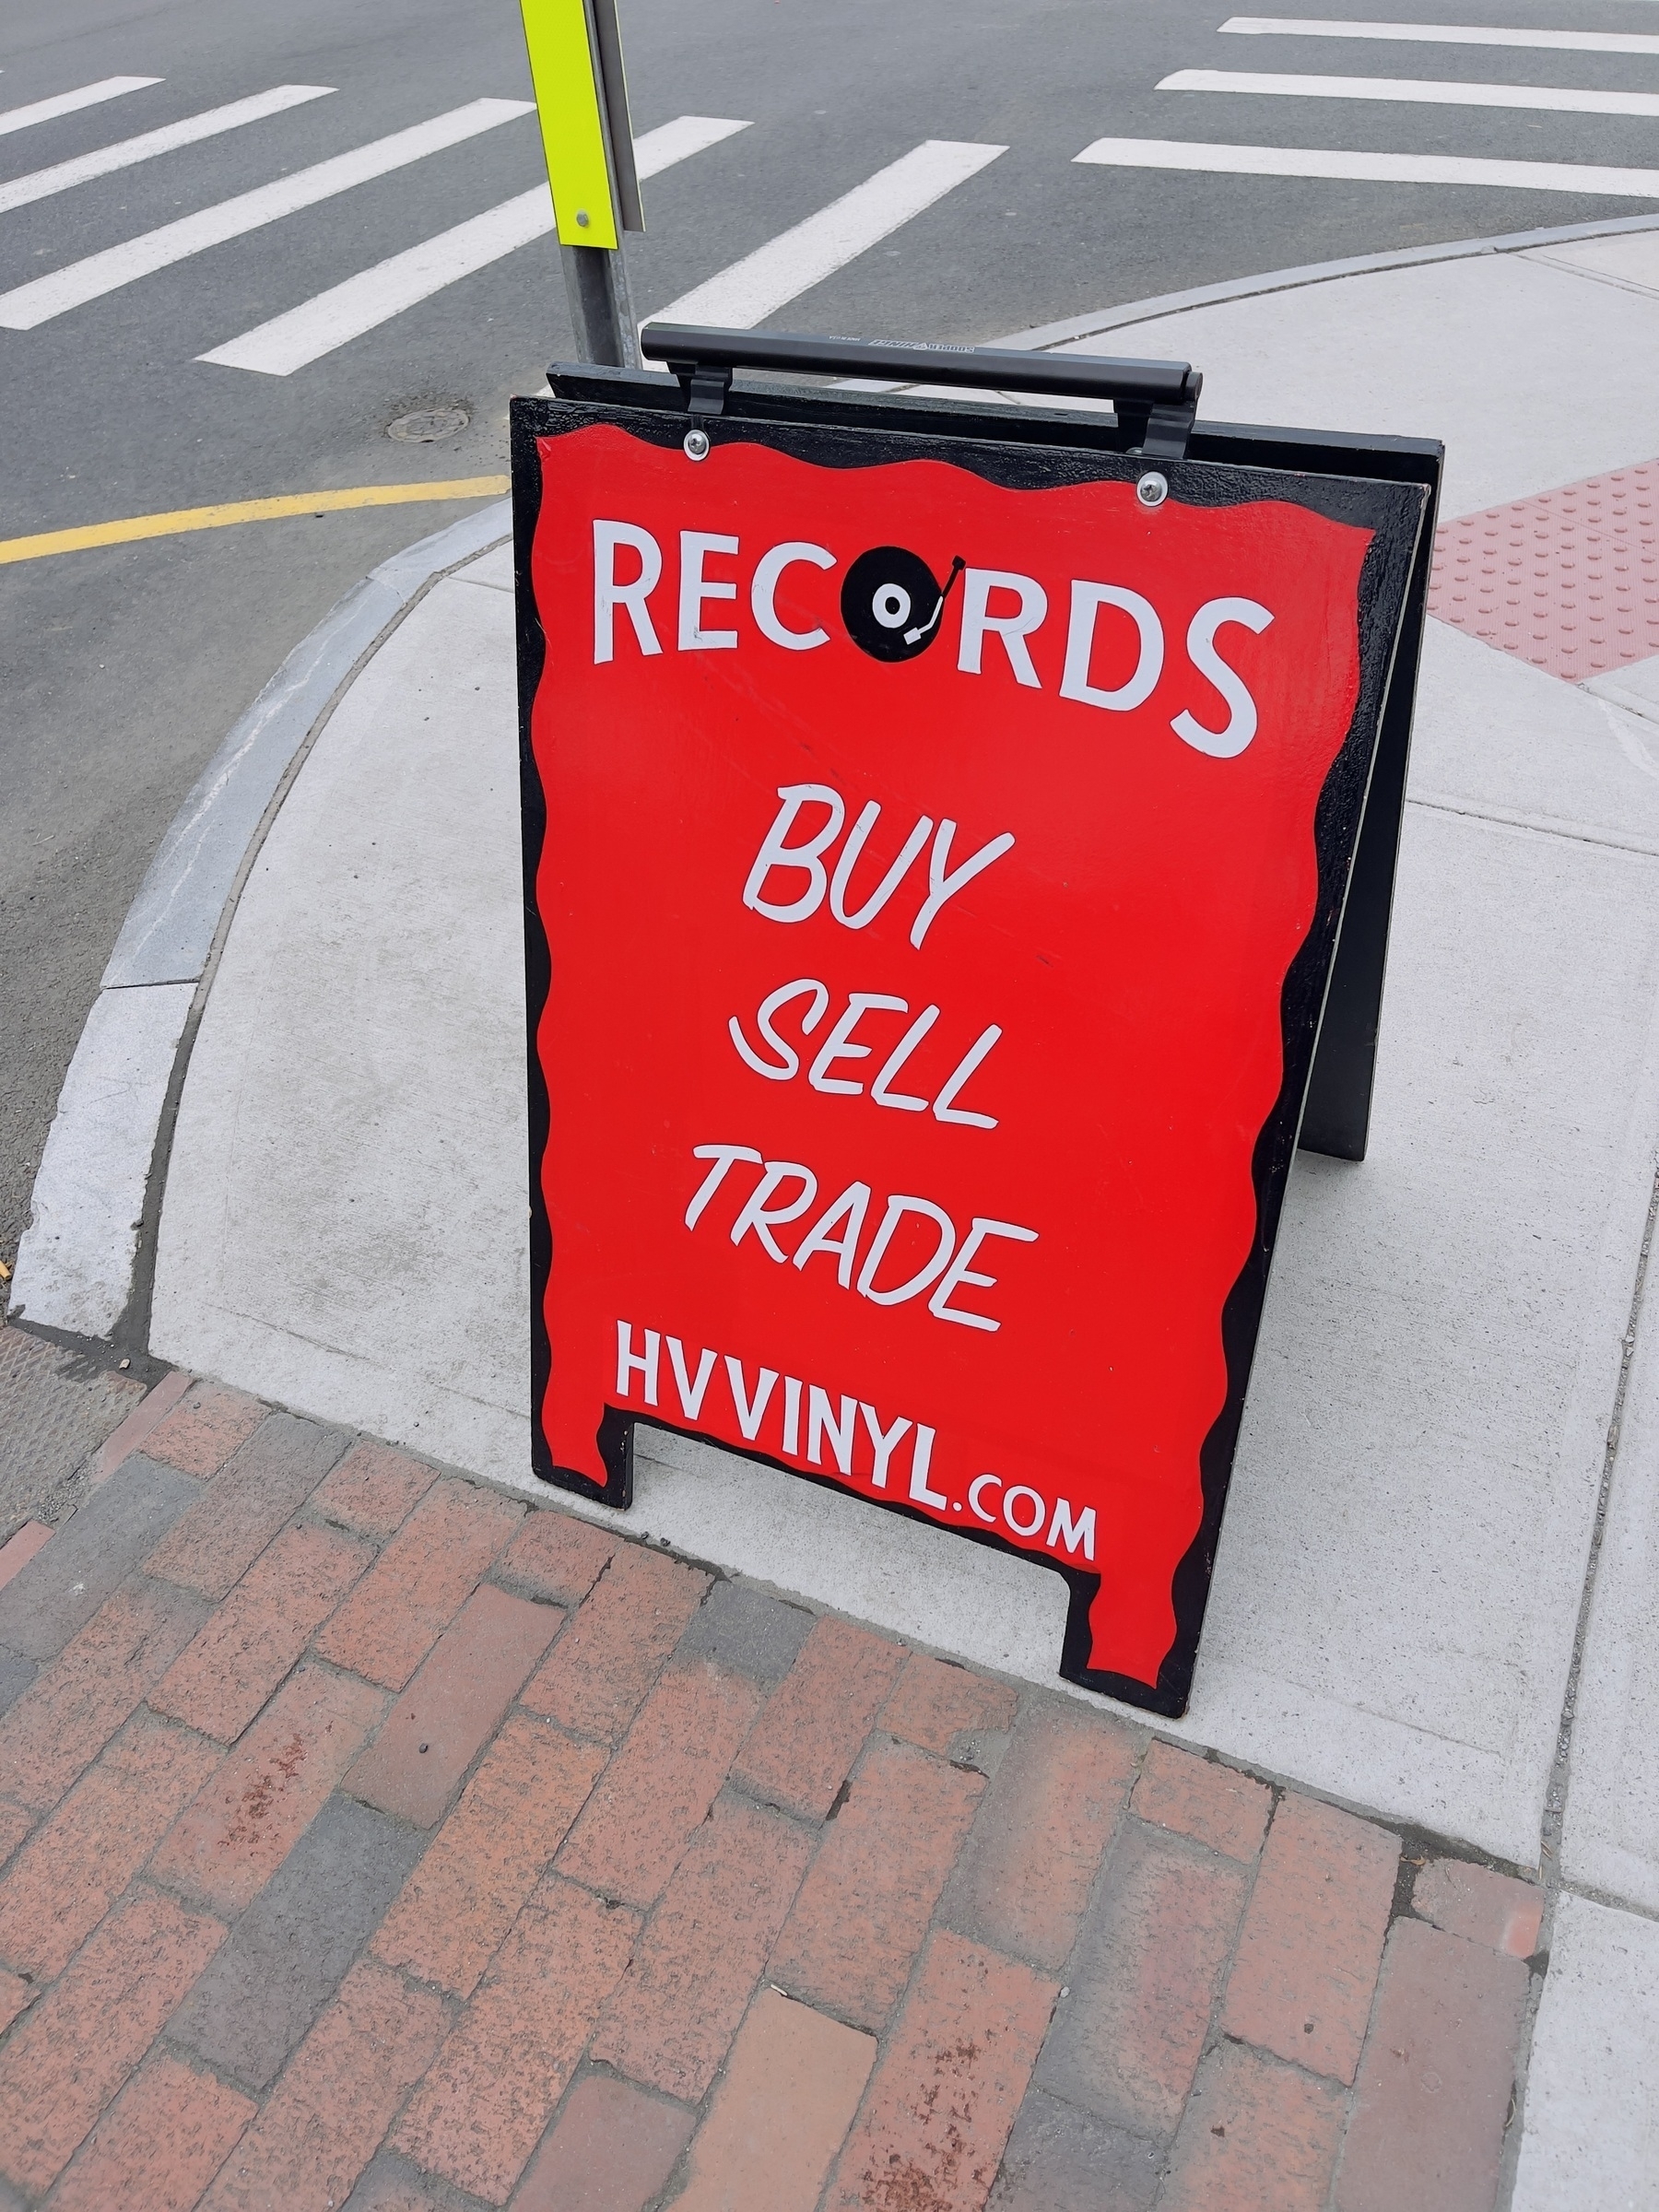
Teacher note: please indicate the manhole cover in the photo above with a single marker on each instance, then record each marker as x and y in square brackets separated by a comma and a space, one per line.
[428, 424]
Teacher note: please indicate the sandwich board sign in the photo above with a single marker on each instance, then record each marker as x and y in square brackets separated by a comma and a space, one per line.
[959, 842]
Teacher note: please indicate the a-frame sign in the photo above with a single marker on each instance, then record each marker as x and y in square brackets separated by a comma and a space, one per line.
[958, 844]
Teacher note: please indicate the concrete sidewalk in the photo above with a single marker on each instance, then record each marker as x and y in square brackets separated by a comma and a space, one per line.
[1433, 1600]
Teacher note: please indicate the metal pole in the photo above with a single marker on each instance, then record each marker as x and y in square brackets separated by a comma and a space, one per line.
[575, 51]
[600, 311]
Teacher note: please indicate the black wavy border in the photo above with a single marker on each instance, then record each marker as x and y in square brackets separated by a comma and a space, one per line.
[1389, 490]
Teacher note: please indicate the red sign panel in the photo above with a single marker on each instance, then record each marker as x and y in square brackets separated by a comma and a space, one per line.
[924, 863]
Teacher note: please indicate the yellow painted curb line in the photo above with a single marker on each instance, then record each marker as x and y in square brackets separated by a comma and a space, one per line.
[133, 526]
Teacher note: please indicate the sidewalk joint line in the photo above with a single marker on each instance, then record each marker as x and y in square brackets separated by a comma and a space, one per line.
[1572, 834]
[1561, 1779]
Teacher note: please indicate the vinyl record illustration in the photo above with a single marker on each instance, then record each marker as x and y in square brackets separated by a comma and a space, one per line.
[891, 603]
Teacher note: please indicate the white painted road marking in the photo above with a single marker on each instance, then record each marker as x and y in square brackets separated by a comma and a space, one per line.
[1434, 91]
[68, 104]
[1445, 34]
[1374, 169]
[41, 184]
[792, 263]
[679, 140]
[362, 303]
[28, 305]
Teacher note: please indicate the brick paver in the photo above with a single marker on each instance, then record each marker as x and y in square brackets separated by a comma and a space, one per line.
[780, 2114]
[1198, 1797]
[266, 1480]
[1026, 1876]
[288, 1951]
[1313, 1941]
[91, 1555]
[15, 1825]
[374, 1489]
[695, 1899]
[204, 1428]
[746, 1631]
[160, 2144]
[228, 1673]
[1143, 1982]
[555, 1558]
[229, 1842]
[1476, 1901]
[1434, 2086]
[803, 1744]
[614, 1648]
[481, 2110]
[934, 1704]
[80, 1860]
[944, 2096]
[69, 1712]
[1063, 2159]
[17, 1675]
[612, 2150]
[133, 1433]
[465, 1893]
[864, 1912]
[456, 1702]
[20, 1547]
[658, 1789]
[73, 2051]
[1256, 2137]
[420, 1582]
[333, 2105]
[674, 2017]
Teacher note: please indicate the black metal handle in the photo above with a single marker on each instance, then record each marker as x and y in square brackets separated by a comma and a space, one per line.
[685, 349]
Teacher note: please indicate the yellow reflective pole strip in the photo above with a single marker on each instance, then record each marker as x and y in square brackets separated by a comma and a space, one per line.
[567, 98]
[134, 526]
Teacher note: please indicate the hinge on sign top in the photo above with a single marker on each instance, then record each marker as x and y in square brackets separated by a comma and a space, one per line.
[1168, 427]
[705, 388]
[1159, 432]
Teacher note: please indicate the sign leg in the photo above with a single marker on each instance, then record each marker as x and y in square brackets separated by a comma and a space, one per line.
[1336, 1117]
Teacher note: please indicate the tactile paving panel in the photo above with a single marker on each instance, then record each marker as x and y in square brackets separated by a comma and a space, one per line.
[1568, 580]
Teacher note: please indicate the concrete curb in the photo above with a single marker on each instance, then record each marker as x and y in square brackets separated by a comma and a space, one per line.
[81, 1270]
[93, 1192]
[1047, 334]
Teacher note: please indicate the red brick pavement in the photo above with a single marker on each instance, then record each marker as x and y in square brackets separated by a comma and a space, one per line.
[381, 1841]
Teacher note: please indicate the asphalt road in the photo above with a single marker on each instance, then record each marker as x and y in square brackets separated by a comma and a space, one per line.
[121, 668]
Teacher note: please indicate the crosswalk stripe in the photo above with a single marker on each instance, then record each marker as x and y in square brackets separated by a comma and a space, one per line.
[362, 303]
[1434, 91]
[26, 306]
[1445, 34]
[40, 183]
[792, 263]
[68, 103]
[677, 141]
[1374, 169]
[318, 326]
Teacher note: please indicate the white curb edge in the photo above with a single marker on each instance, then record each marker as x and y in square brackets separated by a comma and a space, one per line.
[77, 1260]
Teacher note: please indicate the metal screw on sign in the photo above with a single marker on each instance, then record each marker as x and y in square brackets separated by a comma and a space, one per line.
[696, 445]
[1152, 489]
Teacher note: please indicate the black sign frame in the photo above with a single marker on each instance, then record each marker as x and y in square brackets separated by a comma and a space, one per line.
[1330, 1038]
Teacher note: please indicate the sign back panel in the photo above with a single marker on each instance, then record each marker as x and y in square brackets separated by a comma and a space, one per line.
[934, 858]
